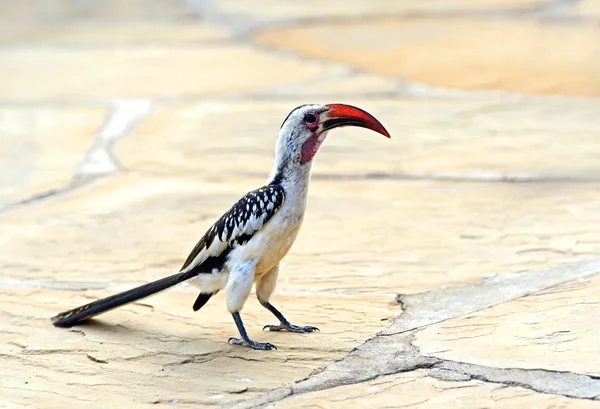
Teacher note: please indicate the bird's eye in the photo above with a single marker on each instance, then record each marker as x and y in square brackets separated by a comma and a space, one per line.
[310, 118]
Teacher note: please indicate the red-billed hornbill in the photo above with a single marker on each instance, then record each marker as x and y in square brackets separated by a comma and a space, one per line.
[247, 243]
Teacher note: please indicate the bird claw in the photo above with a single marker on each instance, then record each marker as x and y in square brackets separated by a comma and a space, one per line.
[291, 328]
[262, 346]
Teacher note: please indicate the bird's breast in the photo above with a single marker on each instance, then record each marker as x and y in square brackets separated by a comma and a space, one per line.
[277, 246]
[270, 244]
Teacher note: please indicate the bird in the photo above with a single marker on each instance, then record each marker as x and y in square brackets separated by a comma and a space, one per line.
[245, 246]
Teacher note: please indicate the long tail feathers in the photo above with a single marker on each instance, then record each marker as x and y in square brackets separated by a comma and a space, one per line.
[69, 318]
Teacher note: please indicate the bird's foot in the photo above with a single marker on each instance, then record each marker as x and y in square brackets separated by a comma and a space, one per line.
[262, 346]
[291, 328]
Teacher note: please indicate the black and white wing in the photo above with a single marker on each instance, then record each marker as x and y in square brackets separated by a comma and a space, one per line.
[237, 226]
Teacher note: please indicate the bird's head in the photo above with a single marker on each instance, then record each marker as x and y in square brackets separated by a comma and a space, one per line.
[305, 128]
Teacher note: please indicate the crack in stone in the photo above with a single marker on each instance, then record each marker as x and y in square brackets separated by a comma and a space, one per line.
[467, 177]
[99, 161]
[74, 184]
[37, 391]
[94, 359]
[391, 351]
[400, 301]
[482, 177]
[569, 384]
[435, 306]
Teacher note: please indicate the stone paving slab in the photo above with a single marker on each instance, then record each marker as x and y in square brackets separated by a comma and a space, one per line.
[113, 35]
[43, 146]
[393, 351]
[428, 136]
[128, 352]
[141, 72]
[165, 112]
[552, 329]
[496, 54]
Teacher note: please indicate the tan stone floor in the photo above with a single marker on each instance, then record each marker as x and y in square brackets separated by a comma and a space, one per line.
[456, 265]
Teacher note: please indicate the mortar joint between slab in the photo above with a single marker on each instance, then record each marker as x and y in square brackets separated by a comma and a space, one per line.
[99, 160]
[489, 372]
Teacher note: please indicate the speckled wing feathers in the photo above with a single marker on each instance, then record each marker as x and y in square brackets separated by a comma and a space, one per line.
[236, 226]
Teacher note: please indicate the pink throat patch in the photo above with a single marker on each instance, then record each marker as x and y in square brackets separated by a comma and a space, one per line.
[310, 148]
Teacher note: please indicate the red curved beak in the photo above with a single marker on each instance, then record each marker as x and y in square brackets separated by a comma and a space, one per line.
[347, 115]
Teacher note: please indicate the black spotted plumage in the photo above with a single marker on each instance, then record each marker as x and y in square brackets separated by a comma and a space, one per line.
[238, 225]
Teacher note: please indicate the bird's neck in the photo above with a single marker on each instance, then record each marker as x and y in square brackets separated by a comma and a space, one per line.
[288, 172]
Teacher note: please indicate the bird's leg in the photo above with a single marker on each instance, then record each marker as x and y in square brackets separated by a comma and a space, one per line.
[265, 287]
[284, 324]
[244, 340]
[237, 289]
